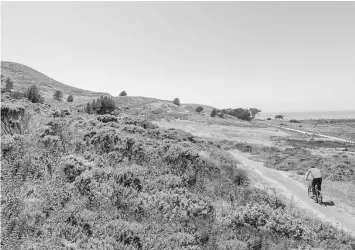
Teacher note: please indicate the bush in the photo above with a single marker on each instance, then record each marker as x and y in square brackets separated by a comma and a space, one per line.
[58, 95]
[199, 109]
[176, 101]
[70, 98]
[123, 93]
[33, 95]
[213, 112]
[268, 119]
[16, 95]
[9, 84]
[103, 105]
[294, 121]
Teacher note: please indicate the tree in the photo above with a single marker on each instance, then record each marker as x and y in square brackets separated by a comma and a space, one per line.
[123, 93]
[176, 101]
[70, 98]
[33, 94]
[103, 105]
[199, 109]
[214, 112]
[254, 112]
[9, 84]
[279, 116]
[58, 95]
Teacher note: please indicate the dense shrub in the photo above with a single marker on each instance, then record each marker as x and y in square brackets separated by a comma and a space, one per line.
[107, 118]
[294, 121]
[103, 105]
[268, 119]
[123, 93]
[213, 112]
[274, 220]
[17, 95]
[70, 98]
[9, 84]
[33, 94]
[58, 95]
[240, 113]
[199, 109]
[176, 101]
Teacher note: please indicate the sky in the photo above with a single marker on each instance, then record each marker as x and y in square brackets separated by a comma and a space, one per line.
[275, 56]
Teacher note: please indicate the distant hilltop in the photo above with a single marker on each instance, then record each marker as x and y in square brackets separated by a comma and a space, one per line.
[312, 115]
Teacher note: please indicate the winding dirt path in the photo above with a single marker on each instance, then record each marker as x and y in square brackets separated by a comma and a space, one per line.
[336, 215]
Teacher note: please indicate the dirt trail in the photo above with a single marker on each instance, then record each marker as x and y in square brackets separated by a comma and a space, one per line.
[292, 189]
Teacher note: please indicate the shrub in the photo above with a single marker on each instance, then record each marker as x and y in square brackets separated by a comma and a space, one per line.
[58, 95]
[123, 93]
[199, 109]
[107, 118]
[70, 98]
[176, 101]
[33, 95]
[268, 119]
[103, 105]
[294, 121]
[275, 220]
[213, 112]
[241, 177]
[9, 84]
[16, 95]
[279, 116]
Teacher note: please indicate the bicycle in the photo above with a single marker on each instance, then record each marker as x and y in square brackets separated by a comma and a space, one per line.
[318, 194]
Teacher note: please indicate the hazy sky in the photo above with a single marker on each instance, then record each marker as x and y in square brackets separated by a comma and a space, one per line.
[276, 56]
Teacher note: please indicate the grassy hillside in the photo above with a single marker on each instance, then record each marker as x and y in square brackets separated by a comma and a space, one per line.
[25, 76]
[72, 180]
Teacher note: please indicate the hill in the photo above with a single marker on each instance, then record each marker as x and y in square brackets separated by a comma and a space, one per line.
[24, 76]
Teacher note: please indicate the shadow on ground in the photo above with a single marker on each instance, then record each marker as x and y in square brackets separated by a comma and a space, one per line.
[328, 203]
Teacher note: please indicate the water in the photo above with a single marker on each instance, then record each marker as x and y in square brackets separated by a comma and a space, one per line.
[311, 115]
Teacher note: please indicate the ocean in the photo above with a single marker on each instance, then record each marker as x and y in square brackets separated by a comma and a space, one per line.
[311, 115]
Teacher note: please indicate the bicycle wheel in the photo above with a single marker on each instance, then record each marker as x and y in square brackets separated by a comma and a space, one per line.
[310, 195]
[320, 197]
[317, 195]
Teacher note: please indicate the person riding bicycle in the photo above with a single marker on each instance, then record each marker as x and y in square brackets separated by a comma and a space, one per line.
[317, 178]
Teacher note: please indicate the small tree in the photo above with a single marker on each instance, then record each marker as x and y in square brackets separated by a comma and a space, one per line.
[279, 116]
[33, 94]
[199, 109]
[123, 93]
[176, 101]
[214, 112]
[70, 98]
[58, 95]
[254, 112]
[9, 84]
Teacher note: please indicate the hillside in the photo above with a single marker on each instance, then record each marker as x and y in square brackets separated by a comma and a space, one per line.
[24, 76]
[73, 180]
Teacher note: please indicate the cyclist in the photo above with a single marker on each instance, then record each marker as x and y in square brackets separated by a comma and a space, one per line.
[317, 178]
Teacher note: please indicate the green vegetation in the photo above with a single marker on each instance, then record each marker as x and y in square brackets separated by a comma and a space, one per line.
[123, 183]
[176, 101]
[279, 116]
[70, 98]
[123, 93]
[240, 113]
[294, 121]
[254, 112]
[199, 109]
[58, 95]
[213, 112]
[103, 105]
[268, 119]
[33, 94]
